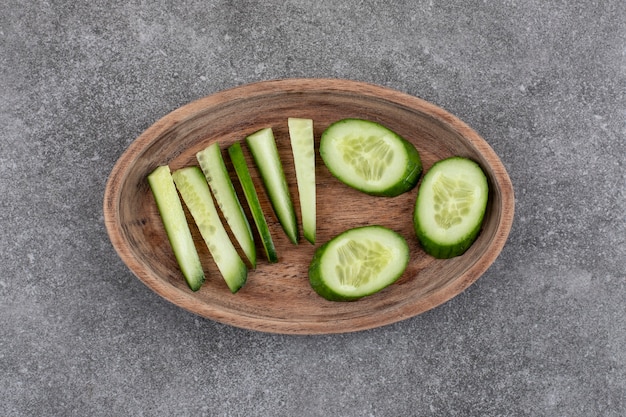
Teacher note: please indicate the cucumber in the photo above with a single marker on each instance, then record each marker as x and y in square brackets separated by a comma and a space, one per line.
[370, 157]
[263, 148]
[450, 206]
[358, 262]
[216, 174]
[176, 226]
[241, 168]
[195, 192]
[302, 146]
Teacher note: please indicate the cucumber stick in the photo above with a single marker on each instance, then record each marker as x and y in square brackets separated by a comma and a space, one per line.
[263, 148]
[302, 146]
[450, 207]
[358, 262]
[195, 192]
[370, 157]
[241, 168]
[216, 174]
[176, 226]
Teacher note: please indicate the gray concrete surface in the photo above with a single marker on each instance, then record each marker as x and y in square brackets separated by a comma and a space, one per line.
[542, 333]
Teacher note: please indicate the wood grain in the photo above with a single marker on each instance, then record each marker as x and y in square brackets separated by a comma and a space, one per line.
[277, 297]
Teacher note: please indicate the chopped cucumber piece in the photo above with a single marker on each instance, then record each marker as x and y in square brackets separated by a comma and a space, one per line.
[450, 207]
[241, 168]
[302, 146]
[358, 262]
[263, 148]
[176, 226]
[370, 157]
[195, 192]
[216, 174]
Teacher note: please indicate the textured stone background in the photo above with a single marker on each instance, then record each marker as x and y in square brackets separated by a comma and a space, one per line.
[542, 333]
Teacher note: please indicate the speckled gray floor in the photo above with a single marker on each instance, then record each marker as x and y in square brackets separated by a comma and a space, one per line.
[542, 333]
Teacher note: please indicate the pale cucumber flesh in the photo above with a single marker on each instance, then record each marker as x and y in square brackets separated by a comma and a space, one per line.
[193, 188]
[303, 148]
[450, 207]
[262, 145]
[370, 157]
[176, 226]
[241, 168]
[358, 262]
[214, 169]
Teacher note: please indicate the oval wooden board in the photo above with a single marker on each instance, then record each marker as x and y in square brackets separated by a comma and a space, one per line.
[277, 297]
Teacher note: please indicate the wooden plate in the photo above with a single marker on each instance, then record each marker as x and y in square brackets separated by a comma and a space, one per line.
[277, 297]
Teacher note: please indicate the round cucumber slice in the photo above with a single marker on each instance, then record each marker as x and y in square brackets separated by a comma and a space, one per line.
[450, 207]
[358, 262]
[370, 157]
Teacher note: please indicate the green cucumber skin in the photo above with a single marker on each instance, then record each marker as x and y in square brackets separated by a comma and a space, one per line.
[196, 194]
[176, 226]
[241, 169]
[437, 249]
[316, 279]
[287, 217]
[446, 251]
[412, 172]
